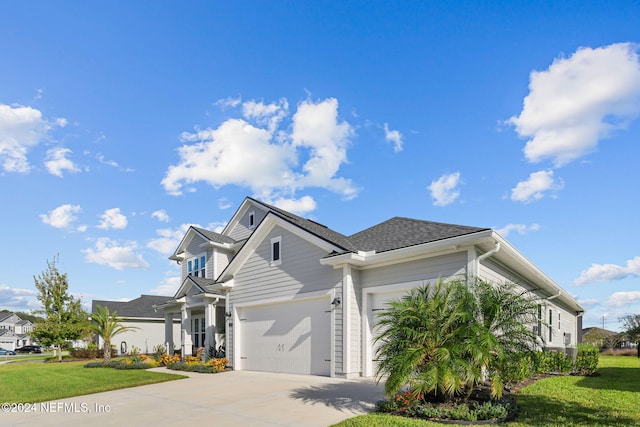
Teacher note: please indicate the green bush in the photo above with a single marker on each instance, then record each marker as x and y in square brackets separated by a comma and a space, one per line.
[587, 360]
[553, 362]
[192, 367]
[83, 353]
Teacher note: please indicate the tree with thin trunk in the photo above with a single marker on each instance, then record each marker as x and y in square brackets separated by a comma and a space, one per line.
[631, 325]
[64, 318]
[107, 325]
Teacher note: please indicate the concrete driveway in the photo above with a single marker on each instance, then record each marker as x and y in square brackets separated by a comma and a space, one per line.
[238, 398]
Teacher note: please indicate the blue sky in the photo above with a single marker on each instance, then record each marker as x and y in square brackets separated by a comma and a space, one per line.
[122, 123]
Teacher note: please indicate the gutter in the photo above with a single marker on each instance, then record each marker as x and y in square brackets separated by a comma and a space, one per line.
[485, 255]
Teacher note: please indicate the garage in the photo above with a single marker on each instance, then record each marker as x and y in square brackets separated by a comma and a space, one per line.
[290, 337]
[377, 303]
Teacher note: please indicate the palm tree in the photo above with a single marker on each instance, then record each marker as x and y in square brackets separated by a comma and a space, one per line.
[423, 342]
[107, 325]
[446, 338]
[506, 340]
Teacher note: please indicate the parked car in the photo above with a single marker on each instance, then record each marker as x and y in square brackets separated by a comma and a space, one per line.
[5, 351]
[29, 349]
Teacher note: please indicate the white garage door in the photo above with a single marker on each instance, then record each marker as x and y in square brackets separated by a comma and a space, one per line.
[292, 337]
[378, 302]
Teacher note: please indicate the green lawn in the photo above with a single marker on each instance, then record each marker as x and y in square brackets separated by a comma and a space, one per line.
[611, 399]
[39, 382]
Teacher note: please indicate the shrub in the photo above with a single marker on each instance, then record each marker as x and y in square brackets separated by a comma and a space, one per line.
[192, 359]
[158, 351]
[553, 361]
[587, 361]
[218, 364]
[166, 359]
[83, 353]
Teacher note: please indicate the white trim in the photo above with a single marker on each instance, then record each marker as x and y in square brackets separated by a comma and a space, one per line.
[276, 262]
[347, 286]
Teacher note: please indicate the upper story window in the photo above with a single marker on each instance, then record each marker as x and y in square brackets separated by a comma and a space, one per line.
[196, 266]
[252, 219]
[276, 251]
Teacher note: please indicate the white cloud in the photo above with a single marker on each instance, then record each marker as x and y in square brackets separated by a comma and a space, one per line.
[444, 190]
[535, 187]
[217, 226]
[21, 128]
[521, 229]
[300, 206]
[16, 299]
[112, 218]
[609, 272]
[61, 122]
[63, 217]
[224, 203]
[578, 101]
[228, 102]
[393, 136]
[168, 239]
[160, 215]
[110, 253]
[265, 159]
[266, 114]
[57, 161]
[620, 299]
[169, 285]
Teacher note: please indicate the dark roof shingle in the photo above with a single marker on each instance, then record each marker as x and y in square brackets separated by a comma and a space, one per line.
[399, 232]
[139, 307]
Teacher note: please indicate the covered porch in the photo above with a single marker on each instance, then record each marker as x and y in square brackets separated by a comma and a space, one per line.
[202, 323]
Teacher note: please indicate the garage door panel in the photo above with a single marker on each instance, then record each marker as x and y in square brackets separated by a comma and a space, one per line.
[292, 337]
[378, 303]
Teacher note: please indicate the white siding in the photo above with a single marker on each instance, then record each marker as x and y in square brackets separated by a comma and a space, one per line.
[149, 334]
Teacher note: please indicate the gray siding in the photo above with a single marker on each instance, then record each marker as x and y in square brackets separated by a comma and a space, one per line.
[427, 269]
[243, 230]
[567, 324]
[356, 323]
[299, 272]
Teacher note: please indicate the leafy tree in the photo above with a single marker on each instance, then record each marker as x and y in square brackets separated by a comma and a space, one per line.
[445, 339]
[64, 318]
[631, 325]
[107, 325]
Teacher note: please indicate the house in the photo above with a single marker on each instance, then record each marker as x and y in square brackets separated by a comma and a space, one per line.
[138, 313]
[605, 338]
[14, 331]
[287, 294]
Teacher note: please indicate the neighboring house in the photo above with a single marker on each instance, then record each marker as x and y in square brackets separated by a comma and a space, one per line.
[605, 338]
[14, 332]
[287, 294]
[138, 313]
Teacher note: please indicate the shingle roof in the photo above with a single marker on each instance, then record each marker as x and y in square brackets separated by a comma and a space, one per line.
[314, 228]
[399, 232]
[139, 307]
[213, 236]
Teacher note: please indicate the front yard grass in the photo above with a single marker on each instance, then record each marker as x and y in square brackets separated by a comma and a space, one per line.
[40, 382]
[610, 399]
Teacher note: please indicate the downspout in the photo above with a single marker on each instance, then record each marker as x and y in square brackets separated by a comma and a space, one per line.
[493, 251]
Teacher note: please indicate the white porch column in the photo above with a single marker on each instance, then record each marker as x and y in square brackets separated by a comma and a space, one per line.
[347, 291]
[186, 342]
[168, 333]
[210, 329]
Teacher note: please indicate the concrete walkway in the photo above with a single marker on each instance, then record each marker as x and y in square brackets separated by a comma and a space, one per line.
[238, 399]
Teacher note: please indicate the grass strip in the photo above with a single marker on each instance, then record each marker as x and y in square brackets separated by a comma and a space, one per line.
[608, 400]
[40, 382]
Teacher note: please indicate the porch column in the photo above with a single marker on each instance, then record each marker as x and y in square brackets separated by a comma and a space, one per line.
[210, 328]
[186, 342]
[168, 333]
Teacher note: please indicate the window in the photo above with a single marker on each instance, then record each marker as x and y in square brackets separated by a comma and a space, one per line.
[550, 325]
[252, 219]
[539, 320]
[276, 251]
[559, 321]
[196, 266]
[198, 332]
